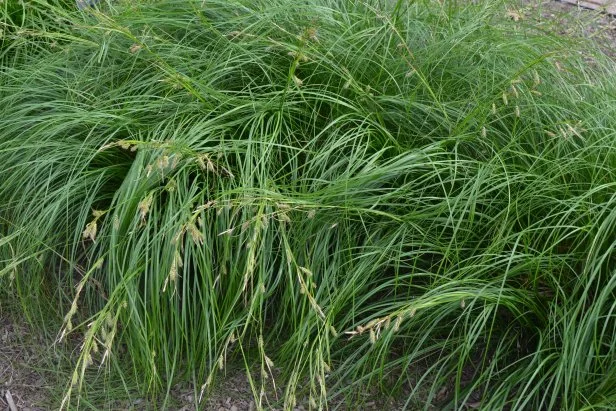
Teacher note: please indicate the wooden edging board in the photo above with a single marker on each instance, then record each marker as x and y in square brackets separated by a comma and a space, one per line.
[607, 6]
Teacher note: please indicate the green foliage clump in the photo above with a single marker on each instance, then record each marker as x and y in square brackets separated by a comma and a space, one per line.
[358, 192]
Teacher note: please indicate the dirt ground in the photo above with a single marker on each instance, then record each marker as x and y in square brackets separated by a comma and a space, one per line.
[19, 378]
[28, 384]
[568, 20]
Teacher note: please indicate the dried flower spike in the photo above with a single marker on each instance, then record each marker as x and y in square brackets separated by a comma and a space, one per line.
[311, 34]
[514, 91]
[90, 231]
[372, 336]
[536, 78]
[195, 233]
[144, 207]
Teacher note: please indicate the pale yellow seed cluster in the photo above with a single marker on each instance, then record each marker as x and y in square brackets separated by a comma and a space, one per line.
[558, 66]
[195, 234]
[227, 232]
[90, 231]
[92, 227]
[135, 48]
[536, 79]
[269, 362]
[68, 325]
[205, 163]
[235, 34]
[132, 145]
[176, 264]
[164, 162]
[306, 284]
[108, 330]
[325, 366]
[514, 90]
[376, 326]
[283, 210]
[567, 131]
[251, 261]
[144, 206]
[311, 34]
[204, 387]
[515, 93]
[298, 56]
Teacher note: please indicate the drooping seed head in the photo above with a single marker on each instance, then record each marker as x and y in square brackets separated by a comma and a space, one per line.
[90, 231]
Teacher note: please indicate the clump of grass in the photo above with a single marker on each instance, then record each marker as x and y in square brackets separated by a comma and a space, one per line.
[357, 193]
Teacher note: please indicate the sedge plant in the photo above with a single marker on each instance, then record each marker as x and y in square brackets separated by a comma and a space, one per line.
[415, 197]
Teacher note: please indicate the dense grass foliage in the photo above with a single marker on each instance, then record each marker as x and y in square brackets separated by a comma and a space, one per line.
[356, 193]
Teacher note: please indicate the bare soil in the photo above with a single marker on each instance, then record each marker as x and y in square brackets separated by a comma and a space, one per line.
[568, 20]
[20, 350]
[29, 376]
